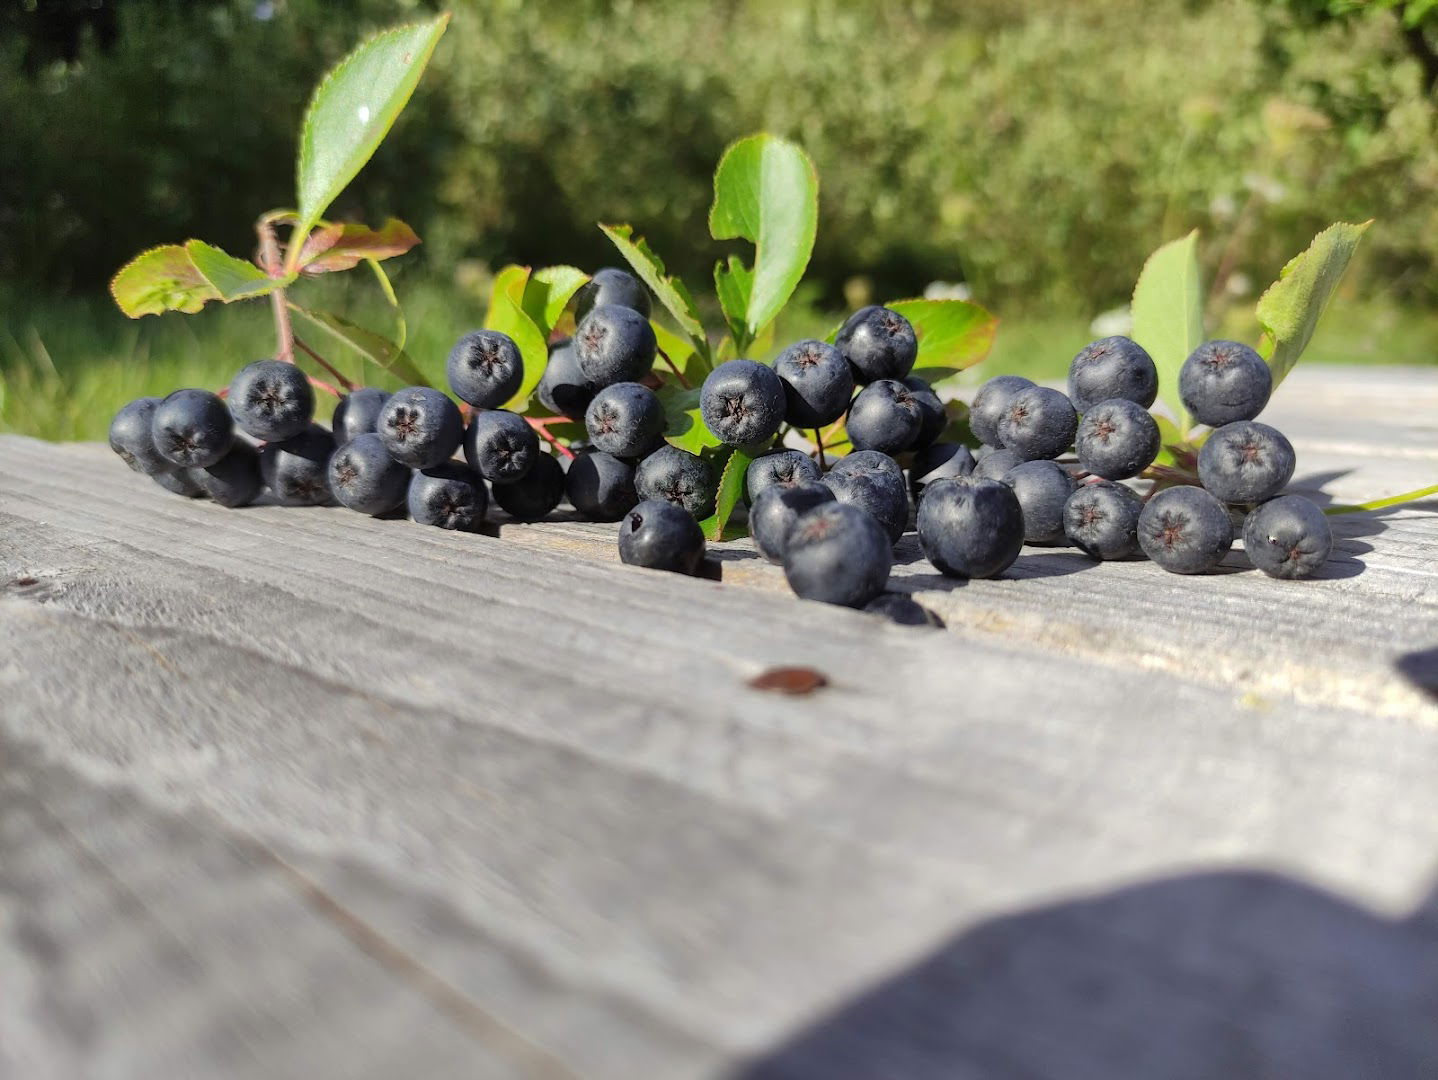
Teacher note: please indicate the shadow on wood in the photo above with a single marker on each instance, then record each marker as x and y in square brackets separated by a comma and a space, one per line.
[1218, 975]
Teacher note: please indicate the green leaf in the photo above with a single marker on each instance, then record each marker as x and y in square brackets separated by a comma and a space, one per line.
[507, 314]
[669, 289]
[353, 109]
[374, 348]
[233, 279]
[683, 426]
[953, 335]
[732, 284]
[1290, 308]
[161, 279]
[340, 247]
[1168, 315]
[767, 192]
[731, 490]
[548, 293]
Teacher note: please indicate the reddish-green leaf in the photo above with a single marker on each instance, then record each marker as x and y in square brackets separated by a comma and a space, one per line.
[339, 247]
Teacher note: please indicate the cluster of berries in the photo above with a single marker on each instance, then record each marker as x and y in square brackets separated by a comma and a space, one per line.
[395, 454]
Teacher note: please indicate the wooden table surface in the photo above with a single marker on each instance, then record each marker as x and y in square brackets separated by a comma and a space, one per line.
[296, 793]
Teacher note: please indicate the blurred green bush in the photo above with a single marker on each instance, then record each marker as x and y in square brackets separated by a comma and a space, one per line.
[1037, 150]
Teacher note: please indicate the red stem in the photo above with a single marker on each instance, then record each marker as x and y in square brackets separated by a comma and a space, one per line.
[674, 368]
[326, 387]
[542, 427]
[819, 443]
[322, 362]
[270, 252]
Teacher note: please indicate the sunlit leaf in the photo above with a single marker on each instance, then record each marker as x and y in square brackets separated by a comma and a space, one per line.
[161, 279]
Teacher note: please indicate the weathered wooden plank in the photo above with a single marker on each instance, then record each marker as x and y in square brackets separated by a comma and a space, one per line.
[512, 801]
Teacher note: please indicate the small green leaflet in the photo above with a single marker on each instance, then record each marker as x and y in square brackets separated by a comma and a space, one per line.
[1290, 308]
[161, 279]
[670, 291]
[233, 279]
[548, 293]
[353, 109]
[507, 314]
[717, 526]
[767, 192]
[374, 348]
[683, 426]
[953, 335]
[1168, 315]
[732, 287]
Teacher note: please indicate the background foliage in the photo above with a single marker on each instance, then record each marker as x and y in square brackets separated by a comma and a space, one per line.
[1037, 151]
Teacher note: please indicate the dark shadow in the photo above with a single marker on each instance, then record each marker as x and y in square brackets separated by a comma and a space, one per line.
[1310, 486]
[1214, 976]
[1421, 669]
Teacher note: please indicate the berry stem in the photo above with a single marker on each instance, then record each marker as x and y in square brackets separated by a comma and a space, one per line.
[320, 384]
[339, 376]
[674, 368]
[1380, 504]
[819, 446]
[542, 427]
[270, 252]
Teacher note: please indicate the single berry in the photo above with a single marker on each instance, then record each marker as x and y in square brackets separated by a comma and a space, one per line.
[742, 403]
[235, 479]
[1185, 530]
[562, 388]
[192, 428]
[1101, 519]
[485, 368]
[132, 436]
[885, 416]
[1039, 423]
[535, 493]
[780, 467]
[971, 527]
[611, 286]
[601, 486]
[364, 477]
[625, 419]
[500, 445]
[994, 464]
[297, 470]
[1224, 381]
[358, 413]
[271, 400]
[990, 404]
[878, 344]
[1287, 537]
[662, 536]
[679, 477]
[874, 483]
[933, 419]
[1042, 488]
[181, 482]
[817, 383]
[902, 609]
[838, 554]
[1116, 439]
[448, 496]
[1112, 367]
[614, 344]
[939, 462]
[421, 427]
[775, 511]
[1246, 462]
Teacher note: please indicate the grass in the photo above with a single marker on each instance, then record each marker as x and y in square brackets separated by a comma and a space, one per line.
[66, 365]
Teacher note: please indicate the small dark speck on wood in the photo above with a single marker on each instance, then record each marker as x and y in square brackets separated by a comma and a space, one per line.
[790, 680]
[25, 582]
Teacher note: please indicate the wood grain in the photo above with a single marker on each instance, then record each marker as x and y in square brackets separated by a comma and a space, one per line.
[297, 793]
